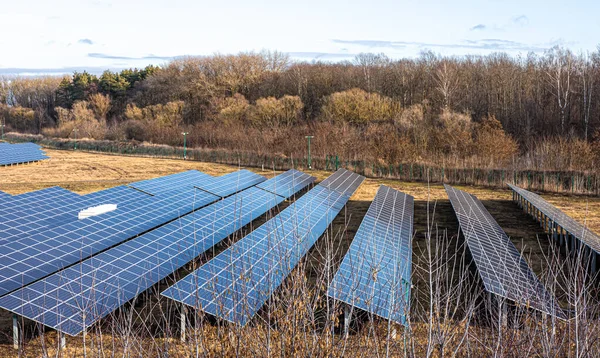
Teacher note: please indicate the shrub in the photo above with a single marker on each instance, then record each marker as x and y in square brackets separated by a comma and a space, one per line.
[272, 112]
[492, 144]
[358, 107]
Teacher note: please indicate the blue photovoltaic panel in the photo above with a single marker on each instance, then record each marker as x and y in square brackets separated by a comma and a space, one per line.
[27, 219]
[239, 180]
[172, 182]
[20, 153]
[375, 273]
[502, 268]
[237, 282]
[35, 198]
[280, 184]
[4, 195]
[580, 231]
[30, 258]
[76, 297]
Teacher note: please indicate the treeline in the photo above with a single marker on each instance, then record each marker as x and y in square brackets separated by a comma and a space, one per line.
[494, 110]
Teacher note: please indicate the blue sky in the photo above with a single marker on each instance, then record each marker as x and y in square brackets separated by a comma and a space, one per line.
[65, 35]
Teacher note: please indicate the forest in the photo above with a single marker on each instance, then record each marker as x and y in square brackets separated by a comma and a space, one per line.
[538, 111]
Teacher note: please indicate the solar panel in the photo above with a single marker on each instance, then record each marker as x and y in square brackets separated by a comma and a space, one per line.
[28, 218]
[35, 256]
[503, 270]
[74, 298]
[375, 272]
[578, 230]
[288, 183]
[4, 195]
[237, 282]
[172, 182]
[20, 153]
[35, 198]
[239, 180]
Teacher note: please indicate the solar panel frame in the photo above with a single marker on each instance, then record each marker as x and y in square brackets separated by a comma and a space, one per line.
[579, 231]
[500, 265]
[76, 297]
[375, 273]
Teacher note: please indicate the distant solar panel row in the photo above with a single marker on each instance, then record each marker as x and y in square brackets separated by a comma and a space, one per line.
[31, 257]
[236, 283]
[74, 298]
[20, 153]
[580, 231]
[503, 270]
[375, 273]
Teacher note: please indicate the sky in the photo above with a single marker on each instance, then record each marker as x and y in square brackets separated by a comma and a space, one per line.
[61, 36]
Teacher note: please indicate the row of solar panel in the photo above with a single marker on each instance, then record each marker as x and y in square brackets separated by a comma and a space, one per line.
[20, 153]
[72, 299]
[375, 273]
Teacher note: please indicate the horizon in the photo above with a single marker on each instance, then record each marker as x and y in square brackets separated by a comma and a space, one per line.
[61, 38]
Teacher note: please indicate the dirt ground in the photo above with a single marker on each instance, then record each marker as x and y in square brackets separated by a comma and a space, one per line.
[85, 172]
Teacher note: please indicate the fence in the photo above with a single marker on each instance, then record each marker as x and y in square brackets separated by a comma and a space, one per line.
[549, 181]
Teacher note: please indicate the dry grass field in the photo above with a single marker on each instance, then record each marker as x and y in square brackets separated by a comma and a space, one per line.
[85, 172]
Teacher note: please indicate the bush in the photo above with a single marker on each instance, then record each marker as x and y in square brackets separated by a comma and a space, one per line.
[359, 107]
[492, 145]
[272, 112]
[230, 110]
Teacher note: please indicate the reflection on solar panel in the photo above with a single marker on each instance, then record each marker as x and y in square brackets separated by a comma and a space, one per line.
[29, 217]
[578, 230]
[503, 270]
[237, 282]
[375, 273]
[76, 297]
[35, 256]
[20, 153]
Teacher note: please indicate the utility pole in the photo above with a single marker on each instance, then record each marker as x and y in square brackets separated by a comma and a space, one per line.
[185, 144]
[309, 137]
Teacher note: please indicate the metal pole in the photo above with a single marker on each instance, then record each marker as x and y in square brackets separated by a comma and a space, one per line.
[15, 332]
[63, 340]
[346, 320]
[309, 137]
[75, 130]
[183, 321]
[185, 144]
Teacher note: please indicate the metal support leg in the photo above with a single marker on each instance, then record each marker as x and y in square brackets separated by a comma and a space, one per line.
[15, 332]
[63, 340]
[346, 320]
[183, 321]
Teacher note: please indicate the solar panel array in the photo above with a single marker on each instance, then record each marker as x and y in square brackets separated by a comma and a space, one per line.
[235, 284]
[375, 272]
[20, 153]
[502, 268]
[580, 231]
[30, 257]
[74, 298]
